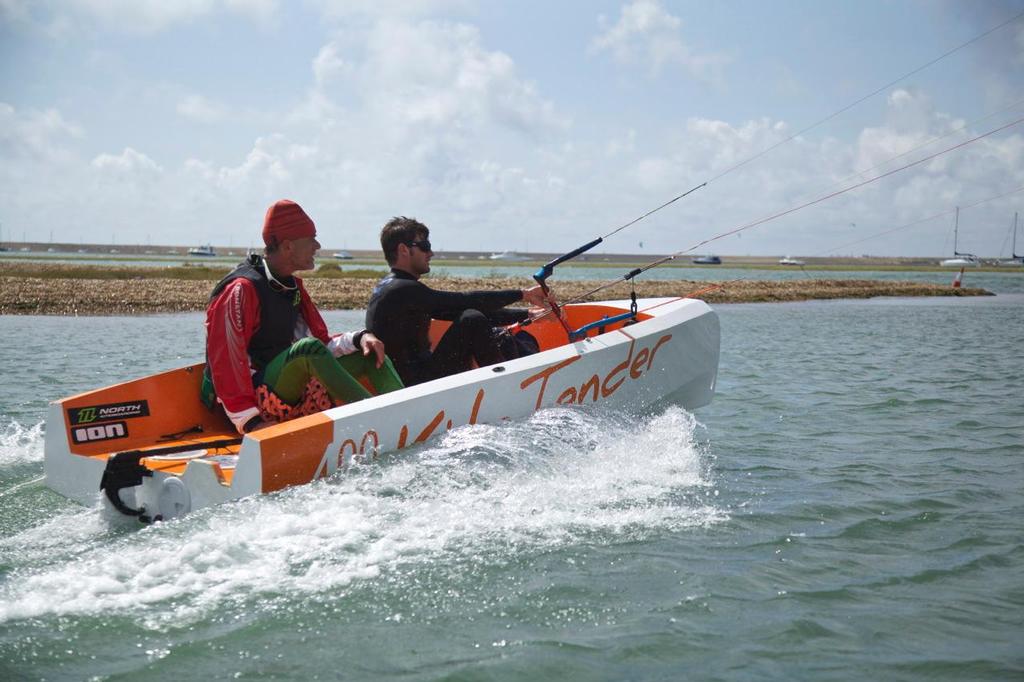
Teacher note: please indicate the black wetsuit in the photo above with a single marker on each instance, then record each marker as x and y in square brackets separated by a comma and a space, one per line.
[399, 314]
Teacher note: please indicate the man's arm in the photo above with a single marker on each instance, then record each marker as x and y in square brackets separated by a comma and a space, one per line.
[231, 320]
[437, 302]
[344, 343]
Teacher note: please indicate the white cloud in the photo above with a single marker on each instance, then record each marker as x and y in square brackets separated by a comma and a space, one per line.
[425, 118]
[646, 33]
[805, 169]
[328, 65]
[440, 75]
[200, 109]
[35, 135]
[395, 9]
[259, 10]
[59, 17]
[129, 163]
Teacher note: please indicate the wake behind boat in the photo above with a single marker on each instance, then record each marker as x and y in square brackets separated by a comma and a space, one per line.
[158, 452]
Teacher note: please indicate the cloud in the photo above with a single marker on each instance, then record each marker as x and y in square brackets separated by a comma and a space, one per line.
[35, 135]
[129, 16]
[805, 169]
[407, 116]
[439, 75]
[128, 164]
[329, 65]
[646, 33]
[374, 10]
[198, 108]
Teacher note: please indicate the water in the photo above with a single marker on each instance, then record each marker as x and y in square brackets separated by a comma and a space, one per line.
[848, 507]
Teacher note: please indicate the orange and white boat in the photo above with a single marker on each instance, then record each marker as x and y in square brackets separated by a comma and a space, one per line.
[158, 452]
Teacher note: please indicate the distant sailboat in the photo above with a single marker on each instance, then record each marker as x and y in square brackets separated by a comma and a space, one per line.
[959, 260]
[1015, 259]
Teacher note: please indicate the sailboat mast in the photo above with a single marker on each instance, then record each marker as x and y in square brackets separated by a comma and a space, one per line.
[1013, 250]
[956, 227]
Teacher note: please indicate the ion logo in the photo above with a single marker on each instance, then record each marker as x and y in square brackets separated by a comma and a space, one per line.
[105, 413]
[91, 434]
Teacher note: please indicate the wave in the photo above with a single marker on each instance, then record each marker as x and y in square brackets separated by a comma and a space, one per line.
[20, 444]
[482, 494]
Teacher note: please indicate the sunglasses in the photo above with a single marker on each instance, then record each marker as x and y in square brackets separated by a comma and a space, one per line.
[422, 244]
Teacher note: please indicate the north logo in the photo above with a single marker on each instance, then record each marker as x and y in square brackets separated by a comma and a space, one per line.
[93, 414]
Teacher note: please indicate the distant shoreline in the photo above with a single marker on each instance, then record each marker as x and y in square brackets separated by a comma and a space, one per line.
[137, 256]
[54, 289]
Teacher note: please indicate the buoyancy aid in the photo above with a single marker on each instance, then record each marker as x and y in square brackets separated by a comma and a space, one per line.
[279, 311]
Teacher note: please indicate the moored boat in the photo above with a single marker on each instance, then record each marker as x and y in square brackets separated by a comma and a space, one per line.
[159, 453]
[508, 255]
[959, 260]
[202, 251]
[1014, 260]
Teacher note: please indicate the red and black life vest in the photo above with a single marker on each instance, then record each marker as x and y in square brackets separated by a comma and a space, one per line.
[279, 311]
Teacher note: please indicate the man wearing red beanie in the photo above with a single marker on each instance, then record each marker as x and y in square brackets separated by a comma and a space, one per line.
[269, 355]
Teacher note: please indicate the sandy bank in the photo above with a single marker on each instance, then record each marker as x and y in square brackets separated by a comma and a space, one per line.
[57, 295]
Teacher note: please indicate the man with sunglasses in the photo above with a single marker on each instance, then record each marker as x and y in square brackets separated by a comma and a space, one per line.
[269, 355]
[401, 309]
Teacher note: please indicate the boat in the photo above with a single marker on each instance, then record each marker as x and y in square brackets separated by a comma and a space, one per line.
[158, 452]
[202, 251]
[789, 260]
[342, 255]
[1014, 258]
[508, 255]
[707, 260]
[959, 260]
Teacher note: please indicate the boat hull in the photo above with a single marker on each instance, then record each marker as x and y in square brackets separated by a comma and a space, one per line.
[672, 353]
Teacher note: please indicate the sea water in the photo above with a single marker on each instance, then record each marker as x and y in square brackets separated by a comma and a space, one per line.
[849, 506]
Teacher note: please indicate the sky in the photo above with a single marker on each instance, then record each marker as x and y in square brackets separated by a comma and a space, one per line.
[527, 125]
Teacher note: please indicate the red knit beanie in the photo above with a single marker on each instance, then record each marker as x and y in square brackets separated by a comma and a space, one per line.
[286, 220]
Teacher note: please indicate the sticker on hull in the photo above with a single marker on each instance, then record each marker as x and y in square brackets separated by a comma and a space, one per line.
[92, 414]
[98, 432]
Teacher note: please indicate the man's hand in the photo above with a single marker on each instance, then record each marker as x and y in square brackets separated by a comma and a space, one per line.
[371, 344]
[535, 296]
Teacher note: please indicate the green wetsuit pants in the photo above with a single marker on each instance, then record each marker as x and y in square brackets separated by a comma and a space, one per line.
[289, 372]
